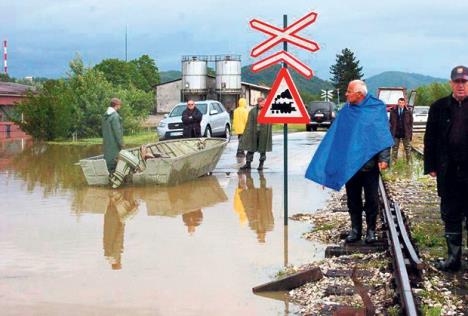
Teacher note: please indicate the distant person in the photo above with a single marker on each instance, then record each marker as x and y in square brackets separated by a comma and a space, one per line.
[355, 148]
[446, 157]
[401, 127]
[191, 118]
[112, 134]
[257, 137]
[238, 123]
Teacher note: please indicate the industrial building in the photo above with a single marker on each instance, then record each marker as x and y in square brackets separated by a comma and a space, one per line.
[226, 86]
[10, 95]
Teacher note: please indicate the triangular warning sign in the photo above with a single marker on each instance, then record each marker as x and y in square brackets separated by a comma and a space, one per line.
[283, 104]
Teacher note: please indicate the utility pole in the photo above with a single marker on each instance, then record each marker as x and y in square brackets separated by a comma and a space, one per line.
[126, 59]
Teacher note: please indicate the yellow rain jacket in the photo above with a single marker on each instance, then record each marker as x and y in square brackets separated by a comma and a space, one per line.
[240, 117]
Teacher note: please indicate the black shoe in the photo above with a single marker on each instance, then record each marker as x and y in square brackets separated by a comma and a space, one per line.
[246, 166]
[454, 249]
[371, 237]
[353, 236]
[260, 166]
[449, 265]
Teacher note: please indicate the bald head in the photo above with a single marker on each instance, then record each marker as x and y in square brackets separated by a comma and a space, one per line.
[357, 91]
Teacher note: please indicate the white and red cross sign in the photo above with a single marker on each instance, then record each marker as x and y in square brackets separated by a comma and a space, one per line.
[284, 104]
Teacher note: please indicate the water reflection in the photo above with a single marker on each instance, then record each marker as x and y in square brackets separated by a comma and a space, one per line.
[257, 204]
[49, 166]
[121, 206]
[159, 200]
[192, 220]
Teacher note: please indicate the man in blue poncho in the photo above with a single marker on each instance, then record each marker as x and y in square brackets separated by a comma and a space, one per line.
[352, 152]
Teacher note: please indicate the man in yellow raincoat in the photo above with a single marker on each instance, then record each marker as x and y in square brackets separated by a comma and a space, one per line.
[239, 121]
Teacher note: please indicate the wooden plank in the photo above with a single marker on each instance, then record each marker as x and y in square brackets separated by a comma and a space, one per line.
[290, 282]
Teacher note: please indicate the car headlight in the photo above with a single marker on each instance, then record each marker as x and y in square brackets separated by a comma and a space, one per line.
[162, 124]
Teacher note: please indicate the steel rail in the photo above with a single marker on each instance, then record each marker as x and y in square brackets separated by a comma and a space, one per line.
[416, 261]
[400, 271]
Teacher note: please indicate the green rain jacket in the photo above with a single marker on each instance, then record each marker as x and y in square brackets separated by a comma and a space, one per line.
[257, 137]
[112, 134]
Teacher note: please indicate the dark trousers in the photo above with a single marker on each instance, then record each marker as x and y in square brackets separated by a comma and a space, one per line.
[369, 181]
[250, 155]
[454, 204]
[239, 151]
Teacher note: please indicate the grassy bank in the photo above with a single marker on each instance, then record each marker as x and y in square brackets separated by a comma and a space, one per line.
[135, 139]
[292, 128]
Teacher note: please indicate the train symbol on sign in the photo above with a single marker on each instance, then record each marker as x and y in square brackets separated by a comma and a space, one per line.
[283, 103]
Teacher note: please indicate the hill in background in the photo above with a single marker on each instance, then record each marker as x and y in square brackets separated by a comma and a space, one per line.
[399, 79]
[313, 86]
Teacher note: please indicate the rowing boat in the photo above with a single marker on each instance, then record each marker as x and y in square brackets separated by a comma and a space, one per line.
[172, 162]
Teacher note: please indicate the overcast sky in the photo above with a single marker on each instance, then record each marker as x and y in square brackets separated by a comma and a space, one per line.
[423, 36]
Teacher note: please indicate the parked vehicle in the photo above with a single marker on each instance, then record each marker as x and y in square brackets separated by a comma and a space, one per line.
[215, 121]
[390, 96]
[420, 114]
[321, 113]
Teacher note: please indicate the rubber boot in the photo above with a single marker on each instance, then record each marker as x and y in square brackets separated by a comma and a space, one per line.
[260, 165]
[454, 249]
[371, 220]
[247, 166]
[356, 228]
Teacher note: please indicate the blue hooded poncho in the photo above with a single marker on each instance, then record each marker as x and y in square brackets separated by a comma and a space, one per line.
[358, 133]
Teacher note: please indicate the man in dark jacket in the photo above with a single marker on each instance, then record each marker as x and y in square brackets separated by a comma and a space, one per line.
[112, 134]
[446, 157]
[401, 127]
[256, 138]
[191, 118]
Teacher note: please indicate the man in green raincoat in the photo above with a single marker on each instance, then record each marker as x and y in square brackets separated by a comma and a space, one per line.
[256, 138]
[112, 134]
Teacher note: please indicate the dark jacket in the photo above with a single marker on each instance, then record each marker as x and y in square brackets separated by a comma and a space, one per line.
[383, 156]
[191, 120]
[253, 130]
[436, 142]
[407, 122]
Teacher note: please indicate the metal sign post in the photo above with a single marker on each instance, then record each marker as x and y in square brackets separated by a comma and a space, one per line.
[284, 103]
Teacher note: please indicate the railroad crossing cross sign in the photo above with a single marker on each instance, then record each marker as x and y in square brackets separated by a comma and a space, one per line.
[283, 104]
[327, 95]
[288, 34]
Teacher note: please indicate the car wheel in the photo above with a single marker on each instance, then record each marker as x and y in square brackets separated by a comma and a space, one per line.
[314, 128]
[227, 132]
[308, 127]
[208, 132]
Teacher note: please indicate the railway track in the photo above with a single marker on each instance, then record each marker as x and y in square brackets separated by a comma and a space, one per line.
[407, 266]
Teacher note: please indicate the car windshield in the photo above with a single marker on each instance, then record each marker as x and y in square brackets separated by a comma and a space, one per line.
[423, 110]
[323, 106]
[177, 111]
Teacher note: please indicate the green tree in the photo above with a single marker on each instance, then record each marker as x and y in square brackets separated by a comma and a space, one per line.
[426, 95]
[6, 78]
[146, 75]
[47, 115]
[345, 70]
[77, 104]
[117, 72]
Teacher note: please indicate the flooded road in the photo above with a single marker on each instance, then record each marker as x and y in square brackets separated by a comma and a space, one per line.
[194, 249]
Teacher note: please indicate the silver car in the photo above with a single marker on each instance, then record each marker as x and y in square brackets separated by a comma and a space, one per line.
[215, 120]
[420, 114]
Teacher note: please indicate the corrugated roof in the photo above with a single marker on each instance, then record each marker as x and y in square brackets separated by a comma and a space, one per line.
[11, 88]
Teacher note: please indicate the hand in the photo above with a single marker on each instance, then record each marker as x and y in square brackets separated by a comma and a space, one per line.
[383, 165]
[433, 174]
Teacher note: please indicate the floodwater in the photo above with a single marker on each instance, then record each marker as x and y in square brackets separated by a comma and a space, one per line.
[193, 249]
